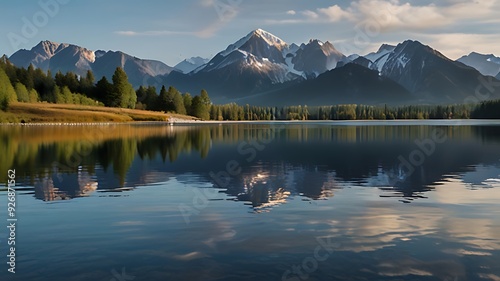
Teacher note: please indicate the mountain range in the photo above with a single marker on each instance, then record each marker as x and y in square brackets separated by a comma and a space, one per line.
[67, 57]
[262, 69]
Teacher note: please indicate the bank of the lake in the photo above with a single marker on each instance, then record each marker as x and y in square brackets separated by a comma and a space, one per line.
[68, 113]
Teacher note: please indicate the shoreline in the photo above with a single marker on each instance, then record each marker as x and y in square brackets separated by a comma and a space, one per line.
[45, 114]
[67, 114]
[183, 122]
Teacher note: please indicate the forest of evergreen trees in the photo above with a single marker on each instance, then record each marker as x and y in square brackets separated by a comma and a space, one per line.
[33, 85]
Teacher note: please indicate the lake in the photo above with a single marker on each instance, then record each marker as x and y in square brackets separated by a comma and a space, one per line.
[402, 200]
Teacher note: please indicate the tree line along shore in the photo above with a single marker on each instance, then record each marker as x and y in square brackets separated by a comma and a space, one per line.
[31, 95]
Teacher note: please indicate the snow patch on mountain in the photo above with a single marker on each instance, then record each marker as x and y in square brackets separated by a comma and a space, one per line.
[265, 54]
[291, 68]
[271, 39]
[380, 57]
[380, 62]
[403, 60]
[376, 56]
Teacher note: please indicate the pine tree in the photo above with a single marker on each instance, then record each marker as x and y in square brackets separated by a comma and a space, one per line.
[67, 95]
[58, 96]
[188, 101]
[22, 93]
[103, 91]
[163, 99]
[170, 106]
[179, 103]
[204, 98]
[9, 69]
[59, 79]
[7, 92]
[33, 96]
[89, 78]
[199, 109]
[87, 84]
[123, 94]
[151, 100]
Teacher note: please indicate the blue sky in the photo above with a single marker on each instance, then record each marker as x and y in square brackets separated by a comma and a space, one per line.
[173, 30]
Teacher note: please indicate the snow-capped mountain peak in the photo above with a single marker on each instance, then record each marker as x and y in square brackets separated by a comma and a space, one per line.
[397, 57]
[270, 38]
[252, 38]
[422, 69]
[264, 54]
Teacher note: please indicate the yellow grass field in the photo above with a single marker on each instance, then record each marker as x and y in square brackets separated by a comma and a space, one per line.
[68, 113]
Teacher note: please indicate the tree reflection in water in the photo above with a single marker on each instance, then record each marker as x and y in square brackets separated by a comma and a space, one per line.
[308, 161]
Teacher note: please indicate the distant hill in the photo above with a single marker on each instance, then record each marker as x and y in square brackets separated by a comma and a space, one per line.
[349, 84]
[486, 64]
[190, 64]
[67, 57]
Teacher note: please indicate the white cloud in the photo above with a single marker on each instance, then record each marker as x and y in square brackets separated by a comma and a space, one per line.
[291, 12]
[310, 14]
[393, 15]
[127, 33]
[335, 13]
[454, 27]
[401, 15]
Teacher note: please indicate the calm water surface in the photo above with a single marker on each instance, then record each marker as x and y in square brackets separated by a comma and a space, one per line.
[255, 201]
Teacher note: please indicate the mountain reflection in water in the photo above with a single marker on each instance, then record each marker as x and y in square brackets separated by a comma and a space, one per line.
[253, 201]
[305, 160]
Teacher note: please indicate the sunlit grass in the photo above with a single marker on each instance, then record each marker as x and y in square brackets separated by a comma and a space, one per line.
[67, 113]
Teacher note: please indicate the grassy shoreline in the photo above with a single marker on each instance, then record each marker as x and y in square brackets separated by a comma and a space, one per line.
[68, 114]
[40, 113]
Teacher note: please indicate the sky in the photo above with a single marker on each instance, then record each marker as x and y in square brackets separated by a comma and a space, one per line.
[171, 31]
